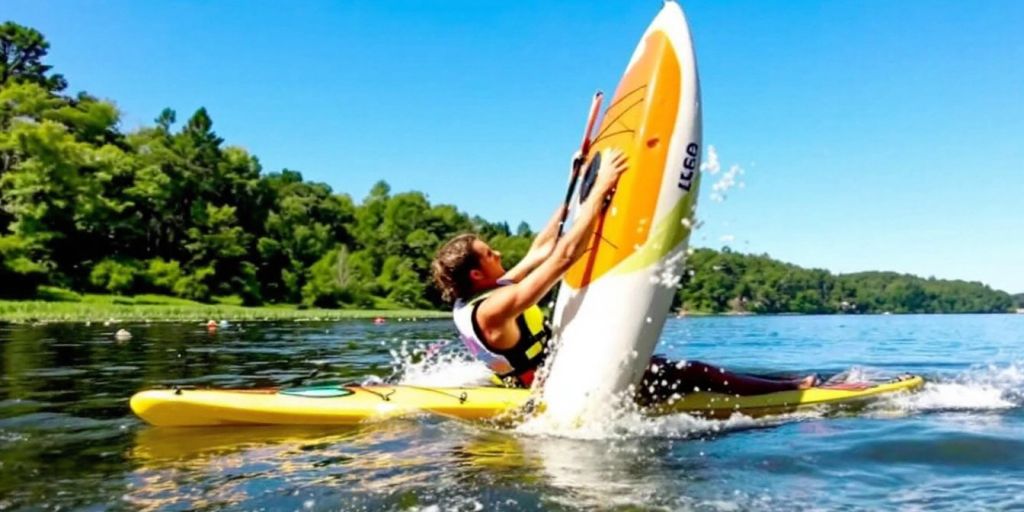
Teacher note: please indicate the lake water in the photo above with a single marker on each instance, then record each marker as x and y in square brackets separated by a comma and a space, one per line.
[69, 441]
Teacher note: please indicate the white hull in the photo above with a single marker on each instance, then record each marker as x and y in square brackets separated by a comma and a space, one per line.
[607, 329]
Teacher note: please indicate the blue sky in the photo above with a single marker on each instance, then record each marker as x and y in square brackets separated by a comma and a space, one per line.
[871, 134]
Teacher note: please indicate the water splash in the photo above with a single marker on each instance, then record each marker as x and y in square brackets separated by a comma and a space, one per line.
[993, 387]
[858, 374]
[632, 423]
[440, 364]
[983, 388]
[728, 180]
[711, 164]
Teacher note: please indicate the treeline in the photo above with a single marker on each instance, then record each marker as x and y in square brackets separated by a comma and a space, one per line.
[1019, 300]
[171, 209]
[726, 281]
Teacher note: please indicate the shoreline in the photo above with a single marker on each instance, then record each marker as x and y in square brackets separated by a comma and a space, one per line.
[158, 309]
[40, 311]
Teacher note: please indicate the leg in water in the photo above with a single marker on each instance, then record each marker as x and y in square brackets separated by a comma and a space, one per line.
[665, 378]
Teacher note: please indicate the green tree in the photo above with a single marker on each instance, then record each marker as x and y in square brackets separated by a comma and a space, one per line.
[41, 191]
[337, 280]
[720, 282]
[305, 221]
[218, 247]
[19, 274]
[115, 276]
[22, 50]
[524, 230]
[161, 275]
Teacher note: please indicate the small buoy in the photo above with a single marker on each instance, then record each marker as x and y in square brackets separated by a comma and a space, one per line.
[224, 324]
[123, 335]
[379, 320]
[211, 325]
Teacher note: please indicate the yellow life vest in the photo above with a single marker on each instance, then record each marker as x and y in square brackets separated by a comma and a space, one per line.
[514, 366]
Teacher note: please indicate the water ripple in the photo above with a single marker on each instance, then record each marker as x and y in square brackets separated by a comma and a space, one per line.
[69, 440]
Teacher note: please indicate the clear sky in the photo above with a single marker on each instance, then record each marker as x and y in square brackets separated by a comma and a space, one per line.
[872, 134]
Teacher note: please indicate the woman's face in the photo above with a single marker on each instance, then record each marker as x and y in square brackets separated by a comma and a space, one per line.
[490, 261]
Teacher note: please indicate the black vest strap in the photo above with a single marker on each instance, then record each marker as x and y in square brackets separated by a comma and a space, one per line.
[525, 356]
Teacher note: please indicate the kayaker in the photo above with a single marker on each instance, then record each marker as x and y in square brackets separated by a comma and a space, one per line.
[496, 312]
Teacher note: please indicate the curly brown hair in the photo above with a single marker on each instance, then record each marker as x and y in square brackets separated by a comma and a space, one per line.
[451, 267]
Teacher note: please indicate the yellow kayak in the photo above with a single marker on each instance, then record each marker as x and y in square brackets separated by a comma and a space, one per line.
[344, 404]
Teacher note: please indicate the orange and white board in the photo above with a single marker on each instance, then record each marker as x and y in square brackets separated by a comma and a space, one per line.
[613, 302]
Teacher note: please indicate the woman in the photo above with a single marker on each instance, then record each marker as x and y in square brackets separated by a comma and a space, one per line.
[497, 316]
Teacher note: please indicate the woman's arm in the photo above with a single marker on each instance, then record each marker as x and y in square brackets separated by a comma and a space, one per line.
[540, 249]
[508, 302]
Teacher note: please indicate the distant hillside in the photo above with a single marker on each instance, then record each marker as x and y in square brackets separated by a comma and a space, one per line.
[726, 281]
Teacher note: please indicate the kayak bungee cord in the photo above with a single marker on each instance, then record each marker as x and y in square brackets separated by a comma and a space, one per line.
[385, 397]
[602, 134]
[461, 397]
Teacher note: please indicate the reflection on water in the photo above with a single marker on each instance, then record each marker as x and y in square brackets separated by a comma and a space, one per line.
[381, 465]
[196, 468]
[68, 440]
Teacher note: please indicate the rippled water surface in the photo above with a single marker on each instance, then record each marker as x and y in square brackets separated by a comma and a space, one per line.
[68, 439]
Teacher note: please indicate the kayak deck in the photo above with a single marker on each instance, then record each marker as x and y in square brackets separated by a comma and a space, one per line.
[343, 405]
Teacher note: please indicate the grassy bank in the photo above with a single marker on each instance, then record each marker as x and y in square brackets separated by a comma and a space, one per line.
[70, 307]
